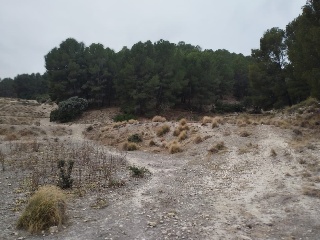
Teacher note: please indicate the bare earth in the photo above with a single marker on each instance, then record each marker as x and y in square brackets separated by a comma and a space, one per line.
[264, 185]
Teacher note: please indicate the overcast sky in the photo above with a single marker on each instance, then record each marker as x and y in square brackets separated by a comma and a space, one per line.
[29, 29]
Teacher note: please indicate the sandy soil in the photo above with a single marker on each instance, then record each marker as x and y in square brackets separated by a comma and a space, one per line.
[254, 188]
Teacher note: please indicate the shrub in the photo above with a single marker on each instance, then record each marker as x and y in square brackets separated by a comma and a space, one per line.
[65, 181]
[163, 130]
[69, 110]
[158, 119]
[138, 172]
[123, 117]
[130, 146]
[46, 208]
[135, 138]
[228, 107]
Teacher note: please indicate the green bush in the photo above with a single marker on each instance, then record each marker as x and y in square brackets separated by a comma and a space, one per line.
[65, 181]
[228, 107]
[138, 172]
[69, 110]
[135, 138]
[123, 117]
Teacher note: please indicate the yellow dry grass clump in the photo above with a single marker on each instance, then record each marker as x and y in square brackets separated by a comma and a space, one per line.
[217, 147]
[174, 147]
[183, 135]
[198, 139]
[158, 119]
[130, 146]
[46, 208]
[183, 121]
[206, 120]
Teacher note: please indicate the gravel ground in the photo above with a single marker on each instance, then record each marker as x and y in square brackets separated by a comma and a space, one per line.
[252, 189]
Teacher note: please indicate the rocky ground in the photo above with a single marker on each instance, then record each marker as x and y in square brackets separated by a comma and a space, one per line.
[261, 183]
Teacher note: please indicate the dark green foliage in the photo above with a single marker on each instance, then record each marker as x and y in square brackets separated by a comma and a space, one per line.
[221, 107]
[135, 138]
[303, 41]
[7, 88]
[138, 172]
[65, 181]
[25, 86]
[69, 110]
[123, 117]
[267, 72]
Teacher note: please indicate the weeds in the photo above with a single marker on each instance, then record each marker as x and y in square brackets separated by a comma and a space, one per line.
[138, 172]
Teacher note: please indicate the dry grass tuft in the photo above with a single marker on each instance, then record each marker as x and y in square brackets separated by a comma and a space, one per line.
[130, 146]
[273, 153]
[215, 124]
[163, 130]
[10, 137]
[119, 124]
[158, 119]
[244, 134]
[183, 135]
[46, 208]
[217, 147]
[198, 139]
[133, 121]
[183, 121]
[152, 143]
[183, 128]
[206, 120]
[176, 132]
[174, 147]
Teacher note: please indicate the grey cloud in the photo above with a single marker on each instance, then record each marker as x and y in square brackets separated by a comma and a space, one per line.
[30, 29]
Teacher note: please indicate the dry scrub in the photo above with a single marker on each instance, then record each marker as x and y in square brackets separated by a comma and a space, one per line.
[46, 208]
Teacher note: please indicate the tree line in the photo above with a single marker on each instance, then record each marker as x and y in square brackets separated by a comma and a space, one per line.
[147, 77]
[156, 76]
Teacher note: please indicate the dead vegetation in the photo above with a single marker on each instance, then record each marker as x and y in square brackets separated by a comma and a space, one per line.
[46, 208]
